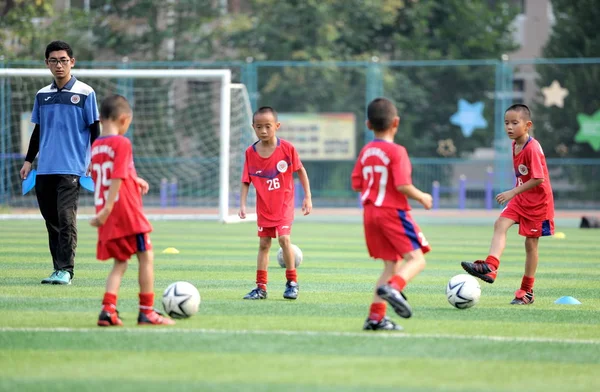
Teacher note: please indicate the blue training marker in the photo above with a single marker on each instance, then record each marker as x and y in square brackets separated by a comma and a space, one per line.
[29, 182]
[87, 183]
[567, 300]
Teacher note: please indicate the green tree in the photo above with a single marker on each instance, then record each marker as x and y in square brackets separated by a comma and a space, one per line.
[428, 96]
[314, 30]
[317, 30]
[155, 30]
[21, 28]
[574, 34]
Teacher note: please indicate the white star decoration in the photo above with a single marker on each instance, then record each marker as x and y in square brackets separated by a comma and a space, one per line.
[554, 95]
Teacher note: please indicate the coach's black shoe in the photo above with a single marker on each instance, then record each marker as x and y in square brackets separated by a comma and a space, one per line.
[396, 299]
[291, 290]
[480, 269]
[256, 293]
[384, 325]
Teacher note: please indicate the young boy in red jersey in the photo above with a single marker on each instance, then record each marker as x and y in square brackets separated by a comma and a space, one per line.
[269, 166]
[531, 205]
[382, 174]
[122, 227]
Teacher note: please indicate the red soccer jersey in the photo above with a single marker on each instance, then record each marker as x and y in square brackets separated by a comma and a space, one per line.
[112, 157]
[274, 182]
[380, 168]
[536, 204]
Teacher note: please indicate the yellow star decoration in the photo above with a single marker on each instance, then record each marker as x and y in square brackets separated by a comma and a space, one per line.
[446, 148]
[554, 95]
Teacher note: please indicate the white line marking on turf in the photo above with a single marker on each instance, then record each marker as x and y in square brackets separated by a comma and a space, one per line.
[380, 335]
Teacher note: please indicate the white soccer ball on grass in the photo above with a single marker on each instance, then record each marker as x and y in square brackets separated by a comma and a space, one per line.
[181, 300]
[463, 291]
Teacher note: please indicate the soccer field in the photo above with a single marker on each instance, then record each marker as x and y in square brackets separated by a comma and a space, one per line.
[49, 340]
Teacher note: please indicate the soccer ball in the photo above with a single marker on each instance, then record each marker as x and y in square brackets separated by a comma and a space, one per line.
[181, 300]
[297, 254]
[463, 291]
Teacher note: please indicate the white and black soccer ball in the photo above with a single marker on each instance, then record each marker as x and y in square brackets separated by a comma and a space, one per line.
[463, 291]
[181, 300]
[297, 254]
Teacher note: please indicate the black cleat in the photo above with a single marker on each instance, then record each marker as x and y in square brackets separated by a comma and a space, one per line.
[480, 269]
[107, 319]
[256, 293]
[291, 290]
[154, 318]
[523, 297]
[384, 325]
[396, 299]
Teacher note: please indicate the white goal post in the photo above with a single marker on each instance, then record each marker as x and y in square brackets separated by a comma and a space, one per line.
[169, 93]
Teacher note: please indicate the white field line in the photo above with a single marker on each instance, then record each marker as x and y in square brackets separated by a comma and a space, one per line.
[374, 335]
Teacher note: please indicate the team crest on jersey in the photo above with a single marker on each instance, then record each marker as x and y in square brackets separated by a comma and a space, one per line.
[523, 170]
[282, 166]
[75, 99]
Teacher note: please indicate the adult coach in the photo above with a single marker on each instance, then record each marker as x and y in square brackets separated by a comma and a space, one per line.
[65, 114]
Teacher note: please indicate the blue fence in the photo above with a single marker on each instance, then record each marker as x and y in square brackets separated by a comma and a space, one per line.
[427, 94]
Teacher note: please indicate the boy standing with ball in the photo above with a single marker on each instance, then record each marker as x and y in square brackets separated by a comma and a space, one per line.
[122, 226]
[269, 166]
[530, 204]
[382, 175]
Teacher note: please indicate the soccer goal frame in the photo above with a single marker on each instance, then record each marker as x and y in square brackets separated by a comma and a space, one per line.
[223, 76]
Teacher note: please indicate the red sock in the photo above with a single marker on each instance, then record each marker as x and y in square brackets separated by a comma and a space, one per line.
[397, 282]
[377, 311]
[146, 302]
[527, 283]
[291, 275]
[109, 302]
[261, 279]
[492, 262]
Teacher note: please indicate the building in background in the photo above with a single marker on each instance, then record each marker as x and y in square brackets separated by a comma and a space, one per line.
[532, 30]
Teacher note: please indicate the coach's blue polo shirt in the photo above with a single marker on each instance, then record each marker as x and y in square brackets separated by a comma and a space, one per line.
[64, 117]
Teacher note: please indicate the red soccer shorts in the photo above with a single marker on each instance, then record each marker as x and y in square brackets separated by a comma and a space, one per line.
[123, 248]
[275, 231]
[391, 233]
[528, 227]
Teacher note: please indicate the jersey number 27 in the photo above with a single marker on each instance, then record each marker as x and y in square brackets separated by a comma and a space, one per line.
[369, 175]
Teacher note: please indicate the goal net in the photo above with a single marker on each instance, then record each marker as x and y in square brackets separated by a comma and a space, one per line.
[189, 132]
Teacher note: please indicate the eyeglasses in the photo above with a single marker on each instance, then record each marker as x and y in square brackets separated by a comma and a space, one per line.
[54, 62]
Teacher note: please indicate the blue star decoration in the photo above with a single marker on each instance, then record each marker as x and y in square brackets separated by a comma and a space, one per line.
[469, 117]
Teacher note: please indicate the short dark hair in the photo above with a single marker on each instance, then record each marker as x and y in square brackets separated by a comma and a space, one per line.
[113, 106]
[381, 113]
[520, 108]
[265, 109]
[58, 45]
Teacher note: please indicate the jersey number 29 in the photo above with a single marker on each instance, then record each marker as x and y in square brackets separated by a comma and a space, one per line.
[102, 182]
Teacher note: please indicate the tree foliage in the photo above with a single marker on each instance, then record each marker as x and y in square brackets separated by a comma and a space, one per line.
[315, 30]
[575, 34]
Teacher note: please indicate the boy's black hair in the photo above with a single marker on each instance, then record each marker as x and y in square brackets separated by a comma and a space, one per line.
[58, 45]
[265, 109]
[520, 108]
[113, 106]
[381, 113]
